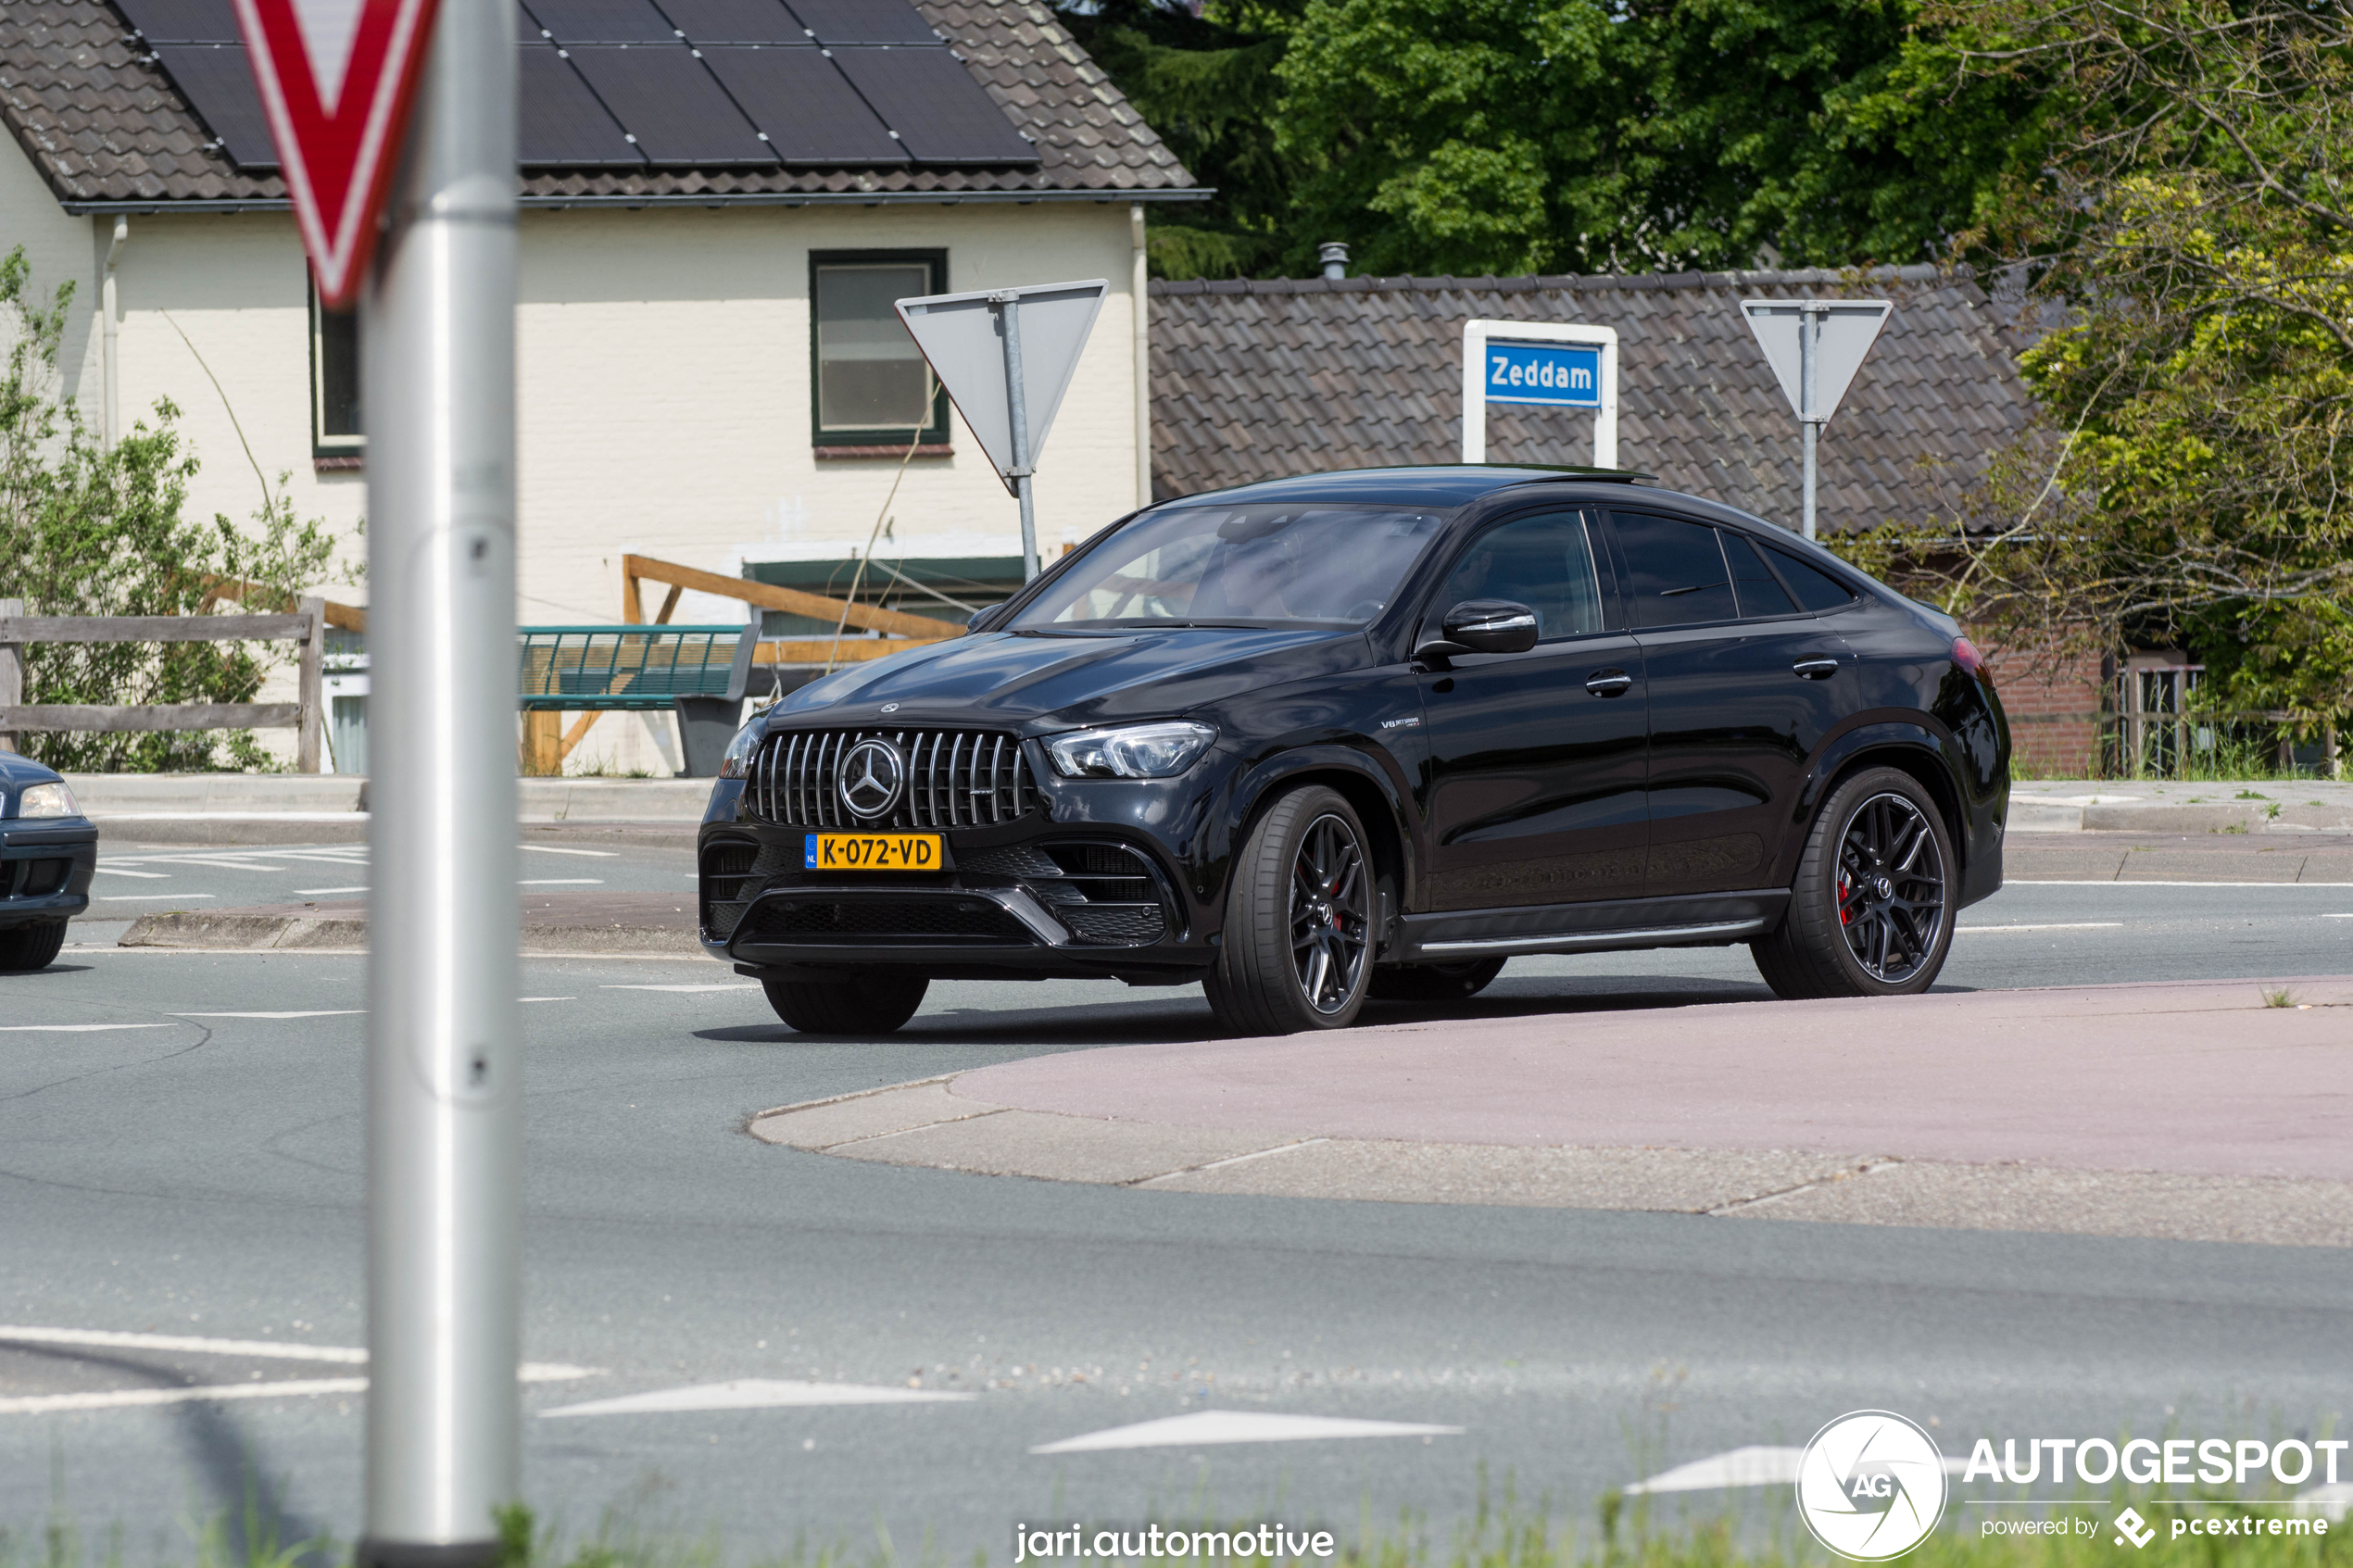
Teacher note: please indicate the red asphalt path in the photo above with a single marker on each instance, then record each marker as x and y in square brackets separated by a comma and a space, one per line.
[2195, 1078]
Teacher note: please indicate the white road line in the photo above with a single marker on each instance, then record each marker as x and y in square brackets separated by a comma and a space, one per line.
[126, 1399]
[561, 881]
[2138, 881]
[678, 987]
[337, 1013]
[2337, 917]
[248, 1349]
[757, 1393]
[147, 898]
[2067, 925]
[553, 850]
[315, 892]
[1203, 1427]
[151, 876]
[1756, 1465]
[547, 998]
[75, 1028]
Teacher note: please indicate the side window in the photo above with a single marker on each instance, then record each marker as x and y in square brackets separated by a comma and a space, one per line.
[1760, 593]
[870, 382]
[335, 384]
[1544, 562]
[1815, 588]
[1674, 573]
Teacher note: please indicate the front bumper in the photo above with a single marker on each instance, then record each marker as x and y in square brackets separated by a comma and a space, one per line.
[46, 867]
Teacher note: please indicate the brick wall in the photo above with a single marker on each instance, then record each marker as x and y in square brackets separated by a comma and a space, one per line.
[2055, 712]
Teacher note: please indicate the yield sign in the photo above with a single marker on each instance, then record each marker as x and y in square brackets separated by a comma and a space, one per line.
[1840, 332]
[336, 79]
[964, 336]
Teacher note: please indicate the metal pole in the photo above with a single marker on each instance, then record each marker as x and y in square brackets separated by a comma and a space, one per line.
[1809, 327]
[444, 1104]
[1017, 411]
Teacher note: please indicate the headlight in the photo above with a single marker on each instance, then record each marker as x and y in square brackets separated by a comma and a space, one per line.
[48, 800]
[1137, 751]
[737, 763]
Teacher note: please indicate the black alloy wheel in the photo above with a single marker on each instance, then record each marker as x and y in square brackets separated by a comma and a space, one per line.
[1297, 949]
[1871, 911]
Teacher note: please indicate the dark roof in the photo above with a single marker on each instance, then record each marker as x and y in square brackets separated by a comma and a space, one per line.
[106, 126]
[1254, 380]
[1451, 485]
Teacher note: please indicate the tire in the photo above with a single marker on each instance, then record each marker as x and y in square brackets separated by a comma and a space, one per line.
[876, 1004]
[1296, 950]
[1870, 913]
[1434, 982]
[32, 947]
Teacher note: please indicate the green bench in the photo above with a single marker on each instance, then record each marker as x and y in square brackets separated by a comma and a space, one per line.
[699, 672]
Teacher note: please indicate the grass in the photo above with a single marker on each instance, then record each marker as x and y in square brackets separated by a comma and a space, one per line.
[2281, 998]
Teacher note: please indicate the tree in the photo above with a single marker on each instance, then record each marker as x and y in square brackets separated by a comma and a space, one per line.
[86, 529]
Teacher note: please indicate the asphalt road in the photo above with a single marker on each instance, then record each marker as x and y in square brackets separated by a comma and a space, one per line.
[171, 1164]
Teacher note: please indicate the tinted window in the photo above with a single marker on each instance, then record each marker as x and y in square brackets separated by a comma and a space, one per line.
[1760, 595]
[1675, 573]
[1544, 562]
[1815, 588]
[1222, 565]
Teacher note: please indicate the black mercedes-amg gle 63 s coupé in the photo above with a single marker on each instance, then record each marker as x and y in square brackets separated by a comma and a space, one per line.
[1370, 734]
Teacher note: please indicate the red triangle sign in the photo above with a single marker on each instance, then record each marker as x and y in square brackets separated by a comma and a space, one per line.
[337, 78]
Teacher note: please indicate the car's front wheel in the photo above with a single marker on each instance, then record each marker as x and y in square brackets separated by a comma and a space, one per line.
[1870, 913]
[1296, 950]
[32, 947]
[874, 1005]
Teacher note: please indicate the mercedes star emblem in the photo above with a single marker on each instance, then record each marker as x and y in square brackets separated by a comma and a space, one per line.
[872, 776]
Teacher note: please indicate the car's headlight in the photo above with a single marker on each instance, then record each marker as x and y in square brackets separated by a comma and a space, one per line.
[1135, 751]
[737, 763]
[48, 800]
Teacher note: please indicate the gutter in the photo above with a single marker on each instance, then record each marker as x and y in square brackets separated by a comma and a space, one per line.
[161, 206]
[111, 368]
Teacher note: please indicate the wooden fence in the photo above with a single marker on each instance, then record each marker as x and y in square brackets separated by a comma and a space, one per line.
[307, 627]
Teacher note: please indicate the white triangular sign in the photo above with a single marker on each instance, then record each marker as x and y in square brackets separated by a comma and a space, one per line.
[329, 29]
[1846, 330]
[963, 336]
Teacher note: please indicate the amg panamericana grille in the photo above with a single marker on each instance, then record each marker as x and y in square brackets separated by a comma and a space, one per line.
[954, 779]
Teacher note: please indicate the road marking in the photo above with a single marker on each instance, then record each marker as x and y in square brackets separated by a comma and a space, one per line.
[152, 876]
[315, 892]
[147, 898]
[1238, 1426]
[338, 1012]
[758, 1393]
[678, 987]
[2069, 925]
[547, 998]
[75, 1028]
[2138, 881]
[561, 881]
[248, 1349]
[1756, 1465]
[2337, 917]
[122, 1398]
[552, 849]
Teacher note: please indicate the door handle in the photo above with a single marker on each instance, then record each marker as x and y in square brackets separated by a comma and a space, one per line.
[1608, 682]
[1815, 669]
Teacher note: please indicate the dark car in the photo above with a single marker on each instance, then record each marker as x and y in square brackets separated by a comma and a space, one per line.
[48, 850]
[1372, 734]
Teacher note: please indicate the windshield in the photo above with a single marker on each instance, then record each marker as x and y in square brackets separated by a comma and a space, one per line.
[1223, 566]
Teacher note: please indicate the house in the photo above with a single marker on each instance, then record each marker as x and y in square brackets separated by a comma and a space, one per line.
[1256, 379]
[721, 200]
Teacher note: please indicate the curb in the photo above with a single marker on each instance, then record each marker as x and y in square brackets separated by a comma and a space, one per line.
[227, 931]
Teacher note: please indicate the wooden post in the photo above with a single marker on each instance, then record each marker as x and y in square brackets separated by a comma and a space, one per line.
[543, 744]
[11, 670]
[312, 688]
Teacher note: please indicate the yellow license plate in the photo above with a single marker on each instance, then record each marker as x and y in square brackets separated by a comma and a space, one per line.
[872, 852]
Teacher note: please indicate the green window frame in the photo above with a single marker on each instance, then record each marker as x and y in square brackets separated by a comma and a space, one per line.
[335, 429]
[852, 332]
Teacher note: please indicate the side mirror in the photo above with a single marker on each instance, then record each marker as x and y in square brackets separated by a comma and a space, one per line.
[973, 624]
[1491, 626]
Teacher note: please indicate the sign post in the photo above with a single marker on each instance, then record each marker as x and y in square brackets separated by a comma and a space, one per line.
[338, 80]
[1550, 364]
[1005, 357]
[1814, 348]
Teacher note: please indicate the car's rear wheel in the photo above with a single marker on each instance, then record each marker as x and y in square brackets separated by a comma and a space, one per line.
[874, 1004]
[1296, 950]
[1870, 913]
[1434, 982]
[32, 947]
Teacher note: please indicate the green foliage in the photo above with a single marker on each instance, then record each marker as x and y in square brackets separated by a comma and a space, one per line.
[91, 530]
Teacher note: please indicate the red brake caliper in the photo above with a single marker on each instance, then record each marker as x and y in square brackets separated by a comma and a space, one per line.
[1846, 891]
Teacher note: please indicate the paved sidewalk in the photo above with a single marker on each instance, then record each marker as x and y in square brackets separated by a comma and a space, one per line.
[2195, 1111]
[2178, 857]
[552, 923]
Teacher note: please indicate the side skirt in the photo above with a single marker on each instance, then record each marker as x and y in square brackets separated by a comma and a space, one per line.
[1708, 919]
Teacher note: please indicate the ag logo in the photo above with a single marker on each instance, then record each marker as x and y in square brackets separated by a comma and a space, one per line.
[872, 776]
[1870, 1486]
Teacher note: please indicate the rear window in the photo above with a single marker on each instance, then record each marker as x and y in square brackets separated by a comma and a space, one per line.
[1815, 588]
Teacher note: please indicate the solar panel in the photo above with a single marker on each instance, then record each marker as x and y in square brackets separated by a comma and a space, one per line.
[561, 120]
[663, 94]
[808, 110]
[185, 22]
[601, 22]
[734, 22]
[218, 82]
[863, 21]
[941, 113]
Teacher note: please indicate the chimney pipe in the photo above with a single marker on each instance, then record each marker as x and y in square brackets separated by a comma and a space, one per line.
[1335, 257]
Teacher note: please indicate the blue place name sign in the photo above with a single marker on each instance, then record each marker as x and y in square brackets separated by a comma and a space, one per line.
[1564, 375]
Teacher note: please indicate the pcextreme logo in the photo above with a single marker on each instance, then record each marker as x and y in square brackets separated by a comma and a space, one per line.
[1870, 1486]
